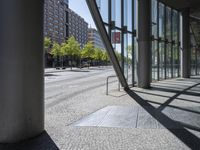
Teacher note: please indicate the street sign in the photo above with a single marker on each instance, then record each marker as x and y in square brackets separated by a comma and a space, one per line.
[116, 37]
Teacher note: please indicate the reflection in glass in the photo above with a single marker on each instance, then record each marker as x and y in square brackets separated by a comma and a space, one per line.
[161, 21]
[116, 12]
[162, 60]
[154, 18]
[103, 7]
[193, 61]
[198, 62]
[154, 60]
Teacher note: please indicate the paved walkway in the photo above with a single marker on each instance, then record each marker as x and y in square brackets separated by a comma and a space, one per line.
[163, 117]
[168, 118]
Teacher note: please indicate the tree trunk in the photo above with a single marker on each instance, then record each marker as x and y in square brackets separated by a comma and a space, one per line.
[80, 62]
[71, 62]
[57, 63]
[62, 62]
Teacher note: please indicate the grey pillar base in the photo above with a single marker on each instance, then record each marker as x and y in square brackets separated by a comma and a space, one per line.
[144, 68]
[21, 65]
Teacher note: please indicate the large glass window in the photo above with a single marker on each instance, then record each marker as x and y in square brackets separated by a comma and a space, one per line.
[162, 25]
[161, 60]
[165, 44]
[175, 42]
[116, 12]
[193, 61]
[161, 21]
[154, 19]
[118, 18]
[103, 7]
[198, 62]
[154, 60]
[154, 40]
[195, 49]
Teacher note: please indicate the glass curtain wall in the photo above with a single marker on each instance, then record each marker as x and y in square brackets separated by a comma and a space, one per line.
[165, 42]
[193, 61]
[118, 18]
[161, 40]
[175, 44]
[155, 36]
[195, 48]
[198, 61]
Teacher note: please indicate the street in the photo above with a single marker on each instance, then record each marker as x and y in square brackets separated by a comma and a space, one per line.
[70, 95]
[61, 86]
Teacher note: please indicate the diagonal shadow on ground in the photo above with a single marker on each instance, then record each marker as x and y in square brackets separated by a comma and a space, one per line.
[176, 128]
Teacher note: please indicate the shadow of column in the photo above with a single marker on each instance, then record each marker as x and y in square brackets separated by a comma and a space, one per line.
[176, 128]
[41, 142]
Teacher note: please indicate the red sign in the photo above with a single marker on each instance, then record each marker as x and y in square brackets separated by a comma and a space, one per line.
[116, 37]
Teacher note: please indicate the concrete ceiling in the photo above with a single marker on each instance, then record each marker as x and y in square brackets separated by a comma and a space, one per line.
[181, 4]
[194, 5]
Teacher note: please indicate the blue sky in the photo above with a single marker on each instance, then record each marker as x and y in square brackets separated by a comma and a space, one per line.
[80, 7]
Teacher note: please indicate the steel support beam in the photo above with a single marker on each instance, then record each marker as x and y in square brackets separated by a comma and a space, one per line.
[21, 65]
[144, 43]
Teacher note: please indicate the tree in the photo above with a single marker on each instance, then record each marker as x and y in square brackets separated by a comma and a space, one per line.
[98, 53]
[47, 43]
[105, 57]
[129, 49]
[88, 51]
[118, 55]
[56, 52]
[70, 48]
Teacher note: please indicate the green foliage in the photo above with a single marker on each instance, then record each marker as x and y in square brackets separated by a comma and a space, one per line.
[118, 55]
[71, 47]
[47, 43]
[98, 54]
[129, 48]
[56, 50]
[105, 56]
[88, 51]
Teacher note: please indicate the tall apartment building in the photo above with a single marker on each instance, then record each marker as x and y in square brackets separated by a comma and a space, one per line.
[94, 37]
[78, 27]
[56, 20]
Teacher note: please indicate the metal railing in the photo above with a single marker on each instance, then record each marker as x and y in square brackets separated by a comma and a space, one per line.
[107, 82]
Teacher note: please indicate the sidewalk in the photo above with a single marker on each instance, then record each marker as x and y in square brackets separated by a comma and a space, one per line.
[53, 70]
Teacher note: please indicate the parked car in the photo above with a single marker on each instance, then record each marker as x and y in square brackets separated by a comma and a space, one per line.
[85, 64]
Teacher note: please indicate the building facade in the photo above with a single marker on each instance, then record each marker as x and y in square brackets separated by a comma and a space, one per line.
[78, 27]
[94, 37]
[56, 20]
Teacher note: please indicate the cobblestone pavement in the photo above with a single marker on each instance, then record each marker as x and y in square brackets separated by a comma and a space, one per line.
[71, 95]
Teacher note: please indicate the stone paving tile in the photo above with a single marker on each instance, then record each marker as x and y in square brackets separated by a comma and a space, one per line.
[72, 109]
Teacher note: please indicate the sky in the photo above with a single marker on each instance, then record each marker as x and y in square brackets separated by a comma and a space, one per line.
[80, 7]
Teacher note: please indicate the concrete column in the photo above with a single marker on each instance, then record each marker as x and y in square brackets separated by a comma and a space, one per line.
[21, 70]
[185, 44]
[144, 43]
